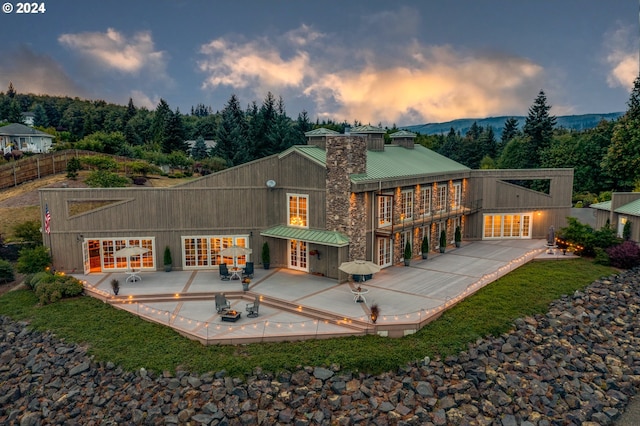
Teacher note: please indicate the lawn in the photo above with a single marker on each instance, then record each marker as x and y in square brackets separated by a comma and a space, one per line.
[115, 335]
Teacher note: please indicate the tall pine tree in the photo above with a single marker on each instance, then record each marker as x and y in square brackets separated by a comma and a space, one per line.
[539, 127]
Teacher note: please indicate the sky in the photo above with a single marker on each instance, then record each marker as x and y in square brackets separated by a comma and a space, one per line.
[375, 61]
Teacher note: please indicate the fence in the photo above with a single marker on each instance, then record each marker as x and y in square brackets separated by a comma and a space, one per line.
[38, 166]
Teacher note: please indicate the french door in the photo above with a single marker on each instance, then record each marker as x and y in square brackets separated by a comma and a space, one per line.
[298, 255]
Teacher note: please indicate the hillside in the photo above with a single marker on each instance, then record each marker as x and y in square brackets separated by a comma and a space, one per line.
[573, 122]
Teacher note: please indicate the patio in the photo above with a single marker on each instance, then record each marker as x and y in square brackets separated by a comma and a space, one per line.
[296, 306]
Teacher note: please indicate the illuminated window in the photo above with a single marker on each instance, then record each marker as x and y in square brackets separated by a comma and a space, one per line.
[298, 209]
[384, 210]
[457, 195]
[441, 202]
[406, 202]
[425, 195]
[507, 226]
[204, 251]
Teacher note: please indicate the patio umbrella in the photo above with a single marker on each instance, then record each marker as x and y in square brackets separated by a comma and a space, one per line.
[235, 252]
[359, 267]
[130, 251]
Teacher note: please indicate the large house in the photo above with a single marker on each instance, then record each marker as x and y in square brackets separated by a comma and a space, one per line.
[24, 138]
[340, 197]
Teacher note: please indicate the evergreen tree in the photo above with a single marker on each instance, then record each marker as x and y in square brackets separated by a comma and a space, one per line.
[174, 139]
[199, 150]
[509, 131]
[15, 113]
[622, 160]
[160, 124]
[231, 133]
[40, 116]
[487, 143]
[130, 112]
[539, 127]
[11, 92]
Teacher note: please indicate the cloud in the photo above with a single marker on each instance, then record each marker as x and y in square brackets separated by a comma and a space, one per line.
[31, 72]
[141, 99]
[370, 77]
[621, 57]
[115, 51]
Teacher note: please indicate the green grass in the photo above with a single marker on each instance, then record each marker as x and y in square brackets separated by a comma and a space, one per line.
[114, 335]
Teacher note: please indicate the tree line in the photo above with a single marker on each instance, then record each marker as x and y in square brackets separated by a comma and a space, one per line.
[605, 158]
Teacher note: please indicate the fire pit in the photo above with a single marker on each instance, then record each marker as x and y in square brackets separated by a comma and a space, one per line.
[230, 316]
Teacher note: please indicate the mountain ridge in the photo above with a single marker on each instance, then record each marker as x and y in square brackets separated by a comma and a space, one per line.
[462, 125]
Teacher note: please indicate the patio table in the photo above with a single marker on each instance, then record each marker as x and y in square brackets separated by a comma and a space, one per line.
[133, 276]
[358, 294]
[236, 273]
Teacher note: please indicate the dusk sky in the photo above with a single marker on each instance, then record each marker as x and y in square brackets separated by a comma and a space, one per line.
[402, 62]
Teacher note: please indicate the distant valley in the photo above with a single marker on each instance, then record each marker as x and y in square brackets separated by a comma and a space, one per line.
[573, 122]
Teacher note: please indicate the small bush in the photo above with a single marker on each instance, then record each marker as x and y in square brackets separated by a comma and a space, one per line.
[139, 180]
[39, 277]
[6, 272]
[60, 286]
[601, 258]
[106, 179]
[99, 162]
[28, 231]
[73, 167]
[32, 260]
[625, 255]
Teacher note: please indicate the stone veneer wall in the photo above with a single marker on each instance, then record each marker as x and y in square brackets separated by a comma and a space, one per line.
[346, 155]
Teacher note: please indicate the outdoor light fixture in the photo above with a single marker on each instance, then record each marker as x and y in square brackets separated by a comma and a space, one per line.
[271, 184]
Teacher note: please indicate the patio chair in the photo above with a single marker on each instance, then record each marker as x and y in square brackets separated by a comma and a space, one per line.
[222, 304]
[248, 270]
[225, 275]
[252, 308]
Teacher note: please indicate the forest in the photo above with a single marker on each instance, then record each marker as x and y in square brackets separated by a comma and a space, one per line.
[605, 158]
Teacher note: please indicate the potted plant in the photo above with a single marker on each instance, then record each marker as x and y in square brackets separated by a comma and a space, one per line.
[245, 283]
[425, 247]
[458, 236]
[266, 256]
[168, 261]
[443, 241]
[375, 312]
[407, 254]
[115, 286]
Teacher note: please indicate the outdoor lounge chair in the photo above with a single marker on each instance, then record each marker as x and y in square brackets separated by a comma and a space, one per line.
[252, 308]
[222, 304]
[224, 272]
[248, 270]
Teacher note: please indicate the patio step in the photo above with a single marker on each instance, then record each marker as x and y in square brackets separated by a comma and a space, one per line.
[280, 304]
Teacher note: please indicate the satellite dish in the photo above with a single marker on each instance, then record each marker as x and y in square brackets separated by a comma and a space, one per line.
[271, 183]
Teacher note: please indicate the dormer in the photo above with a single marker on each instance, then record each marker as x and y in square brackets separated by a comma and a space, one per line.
[318, 137]
[372, 134]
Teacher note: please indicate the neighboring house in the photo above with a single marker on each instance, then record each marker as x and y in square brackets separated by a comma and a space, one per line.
[210, 144]
[338, 198]
[28, 118]
[24, 138]
[624, 207]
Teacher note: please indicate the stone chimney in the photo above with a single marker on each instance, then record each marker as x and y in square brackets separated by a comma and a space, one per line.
[346, 155]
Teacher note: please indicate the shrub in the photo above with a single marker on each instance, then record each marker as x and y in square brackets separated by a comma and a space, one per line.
[625, 255]
[28, 231]
[167, 256]
[142, 168]
[73, 167]
[34, 281]
[106, 179]
[32, 260]
[626, 230]
[407, 250]
[100, 162]
[601, 258]
[139, 180]
[60, 286]
[425, 245]
[443, 238]
[6, 271]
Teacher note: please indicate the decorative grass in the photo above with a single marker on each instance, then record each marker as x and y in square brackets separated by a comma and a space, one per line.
[114, 335]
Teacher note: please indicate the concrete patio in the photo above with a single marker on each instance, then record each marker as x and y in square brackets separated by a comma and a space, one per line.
[297, 306]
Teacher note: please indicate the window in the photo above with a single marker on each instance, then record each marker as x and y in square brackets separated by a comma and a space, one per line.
[404, 237]
[457, 195]
[384, 210]
[441, 202]
[425, 201]
[204, 251]
[384, 251]
[141, 261]
[298, 209]
[406, 203]
[507, 226]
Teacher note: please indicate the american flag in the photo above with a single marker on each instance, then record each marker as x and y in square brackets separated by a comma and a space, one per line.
[47, 219]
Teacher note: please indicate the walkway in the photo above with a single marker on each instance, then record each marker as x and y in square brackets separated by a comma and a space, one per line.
[298, 306]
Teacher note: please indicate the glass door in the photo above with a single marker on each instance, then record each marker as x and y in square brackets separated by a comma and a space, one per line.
[298, 255]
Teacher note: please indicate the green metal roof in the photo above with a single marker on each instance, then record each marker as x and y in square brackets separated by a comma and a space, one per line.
[605, 205]
[367, 129]
[321, 131]
[633, 208]
[394, 162]
[402, 134]
[317, 236]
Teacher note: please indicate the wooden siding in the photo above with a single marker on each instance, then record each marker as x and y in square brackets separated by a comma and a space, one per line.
[489, 189]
